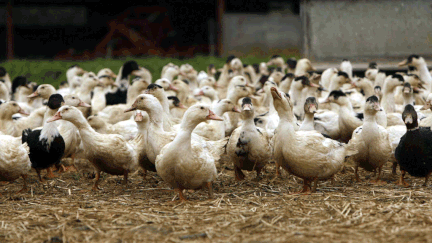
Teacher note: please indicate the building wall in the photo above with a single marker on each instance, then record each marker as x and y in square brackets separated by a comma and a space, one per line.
[365, 29]
[263, 33]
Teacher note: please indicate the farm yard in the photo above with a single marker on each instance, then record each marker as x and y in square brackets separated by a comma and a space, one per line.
[216, 121]
[61, 210]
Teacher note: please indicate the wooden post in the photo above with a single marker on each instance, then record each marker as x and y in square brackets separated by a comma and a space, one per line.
[9, 26]
[220, 9]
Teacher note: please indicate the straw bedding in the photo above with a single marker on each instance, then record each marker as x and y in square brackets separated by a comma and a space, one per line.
[264, 211]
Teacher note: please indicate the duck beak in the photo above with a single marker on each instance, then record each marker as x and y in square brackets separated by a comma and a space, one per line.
[180, 105]
[21, 111]
[83, 104]
[213, 116]
[171, 87]
[408, 119]
[426, 106]
[275, 93]
[249, 85]
[377, 107]
[247, 107]
[403, 63]
[312, 109]
[132, 108]
[56, 117]
[353, 85]
[200, 93]
[138, 117]
[406, 91]
[35, 94]
[235, 109]
[260, 91]
[314, 85]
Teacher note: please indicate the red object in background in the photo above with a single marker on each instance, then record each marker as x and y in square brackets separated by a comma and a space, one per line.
[137, 31]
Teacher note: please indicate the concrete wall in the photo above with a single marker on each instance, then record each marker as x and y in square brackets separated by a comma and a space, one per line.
[365, 29]
[267, 34]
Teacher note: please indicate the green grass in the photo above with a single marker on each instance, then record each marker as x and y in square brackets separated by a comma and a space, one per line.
[36, 70]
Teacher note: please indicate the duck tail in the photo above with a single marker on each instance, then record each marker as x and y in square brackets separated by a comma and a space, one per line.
[25, 134]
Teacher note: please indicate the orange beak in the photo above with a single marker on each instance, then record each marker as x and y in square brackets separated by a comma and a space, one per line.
[213, 116]
[56, 117]
[83, 104]
[35, 94]
[171, 87]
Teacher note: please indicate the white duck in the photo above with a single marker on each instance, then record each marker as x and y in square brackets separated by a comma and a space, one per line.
[128, 129]
[14, 159]
[184, 164]
[370, 142]
[109, 153]
[325, 156]
[249, 147]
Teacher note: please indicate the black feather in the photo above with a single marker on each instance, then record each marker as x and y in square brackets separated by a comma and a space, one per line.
[2, 72]
[344, 74]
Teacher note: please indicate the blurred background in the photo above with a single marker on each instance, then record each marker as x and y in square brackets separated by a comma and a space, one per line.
[321, 30]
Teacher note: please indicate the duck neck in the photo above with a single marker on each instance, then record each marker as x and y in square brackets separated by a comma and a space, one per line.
[213, 96]
[425, 75]
[296, 95]
[156, 119]
[183, 137]
[248, 121]
[408, 99]
[308, 118]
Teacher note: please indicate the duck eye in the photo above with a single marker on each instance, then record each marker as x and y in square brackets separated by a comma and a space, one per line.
[66, 109]
[43, 88]
[14, 104]
[202, 108]
[142, 98]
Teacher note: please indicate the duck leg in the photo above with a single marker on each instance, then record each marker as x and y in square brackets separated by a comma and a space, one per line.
[402, 181]
[306, 188]
[50, 174]
[426, 179]
[378, 181]
[239, 175]
[180, 194]
[38, 171]
[356, 174]
[96, 184]
[394, 168]
[315, 184]
[277, 169]
[210, 190]
[24, 189]
[144, 174]
[125, 180]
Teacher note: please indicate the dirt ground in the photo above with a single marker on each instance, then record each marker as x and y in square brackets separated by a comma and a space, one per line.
[265, 211]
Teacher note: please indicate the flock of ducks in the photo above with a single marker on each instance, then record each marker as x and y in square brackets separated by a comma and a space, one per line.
[180, 125]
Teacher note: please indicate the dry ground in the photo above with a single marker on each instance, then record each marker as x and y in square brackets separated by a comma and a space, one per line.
[62, 211]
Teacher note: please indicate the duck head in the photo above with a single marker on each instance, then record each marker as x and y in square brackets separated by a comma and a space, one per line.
[73, 100]
[281, 101]
[55, 101]
[68, 113]
[175, 102]
[9, 108]
[393, 81]
[146, 102]
[227, 106]
[311, 105]
[155, 90]
[412, 60]
[372, 105]
[247, 108]
[409, 116]
[44, 91]
[197, 114]
[337, 97]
